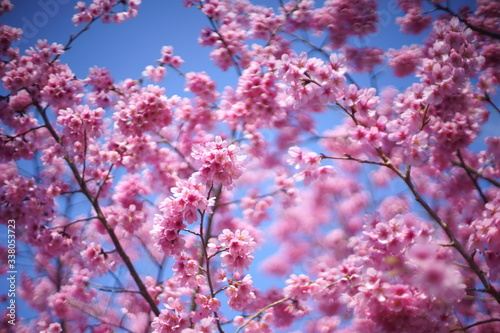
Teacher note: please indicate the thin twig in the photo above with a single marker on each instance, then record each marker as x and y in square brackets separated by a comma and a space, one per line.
[111, 289]
[226, 45]
[464, 21]
[324, 53]
[237, 201]
[84, 308]
[23, 134]
[74, 222]
[100, 215]
[261, 311]
[477, 173]
[453, 241]
[487, 98]
[72, 38]
[465, 328]
[348, 157]
[181, 155]
[473, 180]
[406, 177]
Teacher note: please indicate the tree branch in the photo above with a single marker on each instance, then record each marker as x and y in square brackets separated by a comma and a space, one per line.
[464, 21]
[100, 215]
[476, 173]
[453, 241]
[482, 322]
[261, 311]
[473, 180]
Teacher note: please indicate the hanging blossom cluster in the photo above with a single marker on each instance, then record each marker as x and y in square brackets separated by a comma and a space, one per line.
[104, 10]
[378, 208]
[221, 162]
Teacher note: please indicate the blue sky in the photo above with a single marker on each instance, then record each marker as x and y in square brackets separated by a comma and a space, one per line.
[127, 48]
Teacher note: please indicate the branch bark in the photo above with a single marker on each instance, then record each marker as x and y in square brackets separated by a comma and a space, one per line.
[100, 215]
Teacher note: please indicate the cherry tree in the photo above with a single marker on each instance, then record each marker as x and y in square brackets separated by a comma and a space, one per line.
[387, 221]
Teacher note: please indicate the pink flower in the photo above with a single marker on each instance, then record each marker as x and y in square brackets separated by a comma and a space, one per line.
[172, 319]
[241, 293]
[414, 22]
[309, 165]
[186, 271]
[240, 246]
[20, 101]
[299, 287]
[154, 74]
[405, 61]
[221, 162]
[363, 59]
[202, 86]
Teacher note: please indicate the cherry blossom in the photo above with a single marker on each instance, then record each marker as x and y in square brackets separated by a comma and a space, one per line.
[362, 177]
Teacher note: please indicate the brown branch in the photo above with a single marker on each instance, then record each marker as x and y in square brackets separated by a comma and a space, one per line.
[73, 222]
[453, 241]
[226, 45]
[473, 180]
[487, 98]
[205, 238]
[23, 134]
[476, 173]
[261, 311]
[464, 21]
[465, 328]
[72, 38]
[85, 309]
[348, 157]
[100, 215]
[111, 289]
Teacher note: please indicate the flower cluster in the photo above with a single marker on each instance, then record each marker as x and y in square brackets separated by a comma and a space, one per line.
[81, 122]
[240, 246]
[103, 9]
[188, 198]
[96, 259]
[9, 34]
[405, 60]
[171, 319]
[186, 271]
[299, 287]
[103, 92]
[202, 86]
[415, 21]
[254, 102]
[241, 293]
[145, 110]
[168, 58]
[363, 59]
[312, 83]
[485, 234]
[166, 234]
[221, 162]
[127, 209]
[309, 163]
[154, 74]
[343, 18]
[5, 6]
[39, 72]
